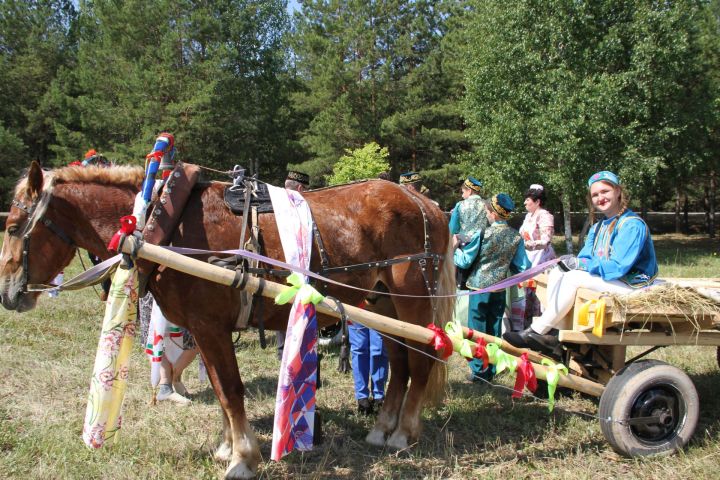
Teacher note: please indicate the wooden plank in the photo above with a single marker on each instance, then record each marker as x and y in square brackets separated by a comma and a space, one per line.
[372, 320]
[641, 338]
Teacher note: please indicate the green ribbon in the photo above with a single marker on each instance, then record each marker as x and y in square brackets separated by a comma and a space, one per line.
[552, 379]
[305, 291]
[455, 333]
[500, 359]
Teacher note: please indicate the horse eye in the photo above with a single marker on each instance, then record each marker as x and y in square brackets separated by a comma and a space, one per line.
[12, 229]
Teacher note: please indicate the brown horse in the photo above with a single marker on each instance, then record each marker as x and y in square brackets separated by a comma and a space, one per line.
[53, 212]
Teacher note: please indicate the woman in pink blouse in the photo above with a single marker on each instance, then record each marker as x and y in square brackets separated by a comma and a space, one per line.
[538, 228]
[537, 232]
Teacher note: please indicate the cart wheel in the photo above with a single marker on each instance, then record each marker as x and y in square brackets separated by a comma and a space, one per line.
[655, 407]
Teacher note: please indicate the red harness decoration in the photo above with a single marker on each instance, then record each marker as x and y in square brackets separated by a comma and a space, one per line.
[127, 227]
[441, 342]
[525, 377]
[481, 352]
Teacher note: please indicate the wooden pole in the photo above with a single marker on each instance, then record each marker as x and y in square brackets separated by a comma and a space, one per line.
[372, 320]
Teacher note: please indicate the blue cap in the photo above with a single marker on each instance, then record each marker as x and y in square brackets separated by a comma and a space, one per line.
[604, 176]
[473, 184]
[503, 205]
[409, 177]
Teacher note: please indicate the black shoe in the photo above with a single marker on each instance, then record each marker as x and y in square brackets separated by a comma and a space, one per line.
[473, 378]
[377, 404]
[547, 343]
[365, 407]
[519, 339]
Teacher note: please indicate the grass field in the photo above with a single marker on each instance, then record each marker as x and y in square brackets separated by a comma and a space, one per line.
[47, 354]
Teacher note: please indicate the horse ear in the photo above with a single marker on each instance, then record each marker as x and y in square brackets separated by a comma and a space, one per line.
[34, 179]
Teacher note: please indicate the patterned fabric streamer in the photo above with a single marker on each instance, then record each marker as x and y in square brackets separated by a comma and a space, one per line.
[103, 416]
[297, 382]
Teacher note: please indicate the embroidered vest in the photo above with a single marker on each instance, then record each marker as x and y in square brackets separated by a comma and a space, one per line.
[471, 213]
[497, 250]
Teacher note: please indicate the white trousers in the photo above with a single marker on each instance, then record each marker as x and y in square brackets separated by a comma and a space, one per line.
[562, 287]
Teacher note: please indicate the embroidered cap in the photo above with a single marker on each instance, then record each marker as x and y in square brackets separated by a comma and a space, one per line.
[503, 205]
[604, 176]
[302, 178]
[409, 177]
[473, 184]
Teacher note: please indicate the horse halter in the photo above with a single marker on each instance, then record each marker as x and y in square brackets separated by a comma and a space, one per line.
[31, 222]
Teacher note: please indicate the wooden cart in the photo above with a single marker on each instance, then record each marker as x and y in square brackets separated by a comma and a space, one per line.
[647, 406]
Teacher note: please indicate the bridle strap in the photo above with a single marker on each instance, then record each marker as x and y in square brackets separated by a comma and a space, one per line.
[49, 224]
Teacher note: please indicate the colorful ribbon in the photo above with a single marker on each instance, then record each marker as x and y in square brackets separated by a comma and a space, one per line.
[441, 341]
[103, 415]
[500, 359]
[127, 227]
[481, 352]
[584, 316]
[305, 291]
[552, 377]
[525, 376]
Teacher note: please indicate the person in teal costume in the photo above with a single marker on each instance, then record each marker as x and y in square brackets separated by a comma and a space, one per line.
[467, 218]
[491, 255]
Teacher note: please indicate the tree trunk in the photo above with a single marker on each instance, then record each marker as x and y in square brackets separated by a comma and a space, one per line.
[643, 207]
[567, 217]
[706, 205]
[713, 190]
[686, 210]
[678, 196]
[584, 232]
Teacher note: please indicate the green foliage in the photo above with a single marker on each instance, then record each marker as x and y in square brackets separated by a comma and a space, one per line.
[361, 163]
[374, 71]
[559, 89]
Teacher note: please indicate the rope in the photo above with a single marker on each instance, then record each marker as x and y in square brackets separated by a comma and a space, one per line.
[77, 251]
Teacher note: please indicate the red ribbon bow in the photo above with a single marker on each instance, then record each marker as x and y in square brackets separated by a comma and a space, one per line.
[127, 227]
[441, 342]
[525, 377]
[481, 352]
[155, 156]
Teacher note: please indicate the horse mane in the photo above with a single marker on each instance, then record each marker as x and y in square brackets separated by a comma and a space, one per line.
[121, 176]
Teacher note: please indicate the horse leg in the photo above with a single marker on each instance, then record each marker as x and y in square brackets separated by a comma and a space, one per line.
[394, 395]
[409, 426]
[224, 451]
[223, 371]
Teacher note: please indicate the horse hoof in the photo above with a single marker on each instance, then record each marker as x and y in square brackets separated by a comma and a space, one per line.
[223, 452]
[375, 438]
[397, 441]
[239, 471]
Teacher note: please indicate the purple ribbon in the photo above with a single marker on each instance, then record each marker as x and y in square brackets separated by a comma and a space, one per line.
[93, 272]
[508, 282]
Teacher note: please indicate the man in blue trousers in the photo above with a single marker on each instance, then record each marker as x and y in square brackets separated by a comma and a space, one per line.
[369, 360]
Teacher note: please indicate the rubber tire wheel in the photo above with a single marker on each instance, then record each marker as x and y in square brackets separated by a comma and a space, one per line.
[636, 382]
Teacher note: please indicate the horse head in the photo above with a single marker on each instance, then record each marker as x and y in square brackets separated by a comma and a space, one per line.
[33, 252]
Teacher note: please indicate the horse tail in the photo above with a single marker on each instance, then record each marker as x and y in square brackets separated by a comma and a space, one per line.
[444, 308]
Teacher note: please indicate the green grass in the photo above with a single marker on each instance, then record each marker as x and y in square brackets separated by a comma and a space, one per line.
[47, 355]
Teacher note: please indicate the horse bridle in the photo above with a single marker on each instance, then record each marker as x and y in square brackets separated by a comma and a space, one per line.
[31, 222]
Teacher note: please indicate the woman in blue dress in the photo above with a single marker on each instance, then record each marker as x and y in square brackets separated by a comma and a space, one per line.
[618, 257]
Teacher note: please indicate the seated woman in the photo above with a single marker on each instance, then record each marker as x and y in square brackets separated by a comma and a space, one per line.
[618, 257]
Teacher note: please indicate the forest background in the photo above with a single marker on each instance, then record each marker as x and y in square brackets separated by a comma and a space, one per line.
[512, 92]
